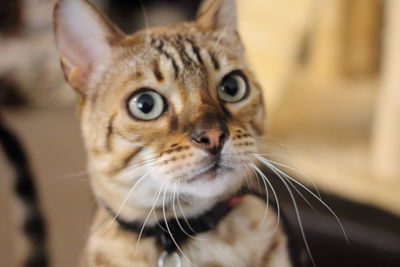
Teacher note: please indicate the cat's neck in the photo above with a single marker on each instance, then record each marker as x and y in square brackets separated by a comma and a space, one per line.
[150, 205]
[169, 233]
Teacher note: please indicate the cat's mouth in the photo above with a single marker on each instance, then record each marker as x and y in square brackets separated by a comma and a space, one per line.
[211, 172]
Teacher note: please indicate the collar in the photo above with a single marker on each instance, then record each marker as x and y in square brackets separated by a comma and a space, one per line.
[181, 229]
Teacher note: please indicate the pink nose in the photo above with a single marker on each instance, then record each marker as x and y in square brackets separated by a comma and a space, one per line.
[211, 140]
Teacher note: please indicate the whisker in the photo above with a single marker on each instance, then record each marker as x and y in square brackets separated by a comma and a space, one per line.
[231, 20]
[273, 191]
[146, 20]
[299, 193]
[176, 216]
[267, 192]
[143, 162]
[169, 230]
[245, 164]
[126, 200]
[266, 162]
[184, 198]
[159, 163]
[152, 157]
[156, 198]
[298, 217]
[130, 192]
[75, 174]
[302, 196]
[295, 170]
[183, 214]
[247, 176]
[315, 196]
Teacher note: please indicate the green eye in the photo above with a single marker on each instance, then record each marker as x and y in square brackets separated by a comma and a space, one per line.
[146, 105]
[233, 87]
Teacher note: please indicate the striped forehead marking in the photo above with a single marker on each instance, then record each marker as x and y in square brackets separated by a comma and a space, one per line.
[183, 53]
[159, 46]
[187, 57]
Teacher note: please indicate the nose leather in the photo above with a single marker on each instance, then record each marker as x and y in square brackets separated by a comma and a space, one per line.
[211, 140]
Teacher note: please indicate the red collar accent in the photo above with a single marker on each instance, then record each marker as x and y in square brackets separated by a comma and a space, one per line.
[234, 200]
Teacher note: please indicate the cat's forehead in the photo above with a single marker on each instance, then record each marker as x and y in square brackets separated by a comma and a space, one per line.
[183, 55]
[186, 45]
[177, 61]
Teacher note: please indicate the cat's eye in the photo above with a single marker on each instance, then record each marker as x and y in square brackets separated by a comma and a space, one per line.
[233, 87]
[146, 105]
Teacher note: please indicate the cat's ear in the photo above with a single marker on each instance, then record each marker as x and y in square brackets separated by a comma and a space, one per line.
[85, 39]
[218, 15]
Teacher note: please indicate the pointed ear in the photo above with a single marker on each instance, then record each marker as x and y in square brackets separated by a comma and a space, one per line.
[218, 15]
[84, 38]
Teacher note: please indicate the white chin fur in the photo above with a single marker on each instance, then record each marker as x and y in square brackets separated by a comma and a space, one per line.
[210, 188]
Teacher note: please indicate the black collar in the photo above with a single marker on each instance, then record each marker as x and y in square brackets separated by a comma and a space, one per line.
[179, 229]
[207, 222]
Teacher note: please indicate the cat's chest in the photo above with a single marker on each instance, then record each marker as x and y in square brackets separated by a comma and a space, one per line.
[247, 236]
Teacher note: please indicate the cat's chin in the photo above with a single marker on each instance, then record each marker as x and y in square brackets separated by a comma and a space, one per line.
[210, 174]
[213, 183]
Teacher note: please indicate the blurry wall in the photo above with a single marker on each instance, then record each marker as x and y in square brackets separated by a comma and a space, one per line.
[330, 74]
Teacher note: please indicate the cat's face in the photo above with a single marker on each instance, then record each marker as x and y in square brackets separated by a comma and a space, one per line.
[174, 108]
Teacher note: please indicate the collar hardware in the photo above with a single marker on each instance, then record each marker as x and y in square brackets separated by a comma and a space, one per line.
[165, 260]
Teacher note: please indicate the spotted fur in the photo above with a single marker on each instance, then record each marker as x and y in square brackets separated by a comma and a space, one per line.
[141, 169]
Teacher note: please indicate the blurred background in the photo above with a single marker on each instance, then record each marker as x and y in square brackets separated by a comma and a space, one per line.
[331, 76]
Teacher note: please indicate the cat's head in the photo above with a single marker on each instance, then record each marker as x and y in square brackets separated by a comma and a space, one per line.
[174, 107]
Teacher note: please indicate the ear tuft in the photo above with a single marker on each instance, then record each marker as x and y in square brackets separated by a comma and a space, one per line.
[84, 38]
[218, 14]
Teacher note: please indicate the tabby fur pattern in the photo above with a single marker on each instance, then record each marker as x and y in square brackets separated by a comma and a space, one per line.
[195, 154]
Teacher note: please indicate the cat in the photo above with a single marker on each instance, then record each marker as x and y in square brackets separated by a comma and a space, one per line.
[172, 119]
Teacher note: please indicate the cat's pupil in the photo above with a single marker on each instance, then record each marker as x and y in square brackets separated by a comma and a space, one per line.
[230, 86]
[145, 103]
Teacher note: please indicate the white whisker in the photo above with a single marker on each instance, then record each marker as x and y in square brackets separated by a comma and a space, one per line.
[300, 194]
[125, 200]
[267, 197]
[156, 198]
[75, 174]
[298, 217]
[130, 193]
[321, 201]
[231, 20]
[169, 230]
[183, 215]
[309, 191]
[297, 171]
[273, 191]
[247, 176]
[176, 216]
[146, 20]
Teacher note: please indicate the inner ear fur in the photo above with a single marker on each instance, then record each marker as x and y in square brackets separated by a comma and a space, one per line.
[218, 15]
[85, 38]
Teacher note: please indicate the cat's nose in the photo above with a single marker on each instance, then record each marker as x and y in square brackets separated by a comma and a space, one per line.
[211, 140]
